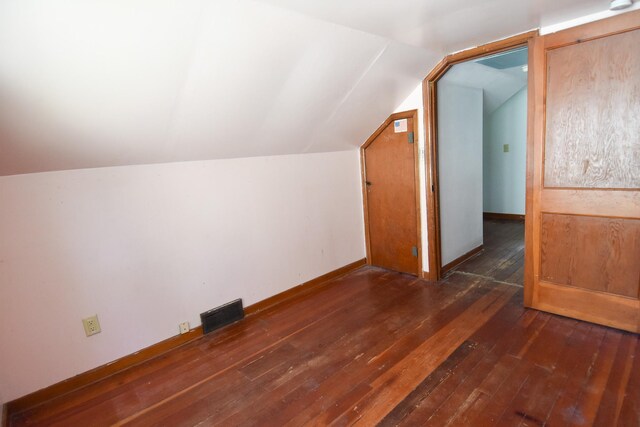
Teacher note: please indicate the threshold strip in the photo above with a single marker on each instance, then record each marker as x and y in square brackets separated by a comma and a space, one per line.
[487, 278]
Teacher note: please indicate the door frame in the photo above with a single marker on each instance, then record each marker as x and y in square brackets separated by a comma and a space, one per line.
[429, 96]
[411, 114]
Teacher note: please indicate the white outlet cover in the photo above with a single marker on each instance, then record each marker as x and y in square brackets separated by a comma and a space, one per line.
[91, 325]
[184, 327]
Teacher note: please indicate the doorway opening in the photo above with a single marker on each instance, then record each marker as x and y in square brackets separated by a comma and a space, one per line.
[476, 114]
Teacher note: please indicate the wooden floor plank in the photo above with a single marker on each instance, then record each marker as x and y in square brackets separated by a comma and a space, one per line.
[610, 407]
[577, 375]
[487, 341]
[630, 408]
[390, 388]
[373, 361]
[535, 399]
[586, 407]
[428, 385]
[380, 347]
[377, 353]
[502, 257]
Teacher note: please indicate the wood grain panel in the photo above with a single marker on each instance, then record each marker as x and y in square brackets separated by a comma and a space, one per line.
[593, 125]
[620, 204]
[585, 204]
[604, 309]
[600, 254]
[390, 186]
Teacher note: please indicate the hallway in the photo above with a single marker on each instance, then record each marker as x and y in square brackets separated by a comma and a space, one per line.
[502, 257]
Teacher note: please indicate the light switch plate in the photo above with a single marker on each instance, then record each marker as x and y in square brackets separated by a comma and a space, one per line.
[505, 148]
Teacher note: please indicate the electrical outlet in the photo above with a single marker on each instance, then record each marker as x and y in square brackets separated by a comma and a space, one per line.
[91, 325]
[184, 327]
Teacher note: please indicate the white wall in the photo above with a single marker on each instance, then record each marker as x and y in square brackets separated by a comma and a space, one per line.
[505, 173]
[147, 247]
[459, 169]
[414, 102]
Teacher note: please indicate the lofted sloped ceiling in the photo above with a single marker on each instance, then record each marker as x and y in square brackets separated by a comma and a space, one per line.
[87, 83]
[445, 25]
[497, 84]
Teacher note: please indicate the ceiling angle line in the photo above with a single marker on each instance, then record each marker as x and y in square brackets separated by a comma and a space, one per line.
[353, 87]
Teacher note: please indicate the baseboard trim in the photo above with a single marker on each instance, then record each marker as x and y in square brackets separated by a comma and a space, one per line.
[460, 259]
[428, 275]
[87, 378]
[94, 375]
[496, 215]
[302, 288]
[4, 417]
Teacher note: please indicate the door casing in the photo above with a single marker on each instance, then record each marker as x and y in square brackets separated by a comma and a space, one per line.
[429, 90]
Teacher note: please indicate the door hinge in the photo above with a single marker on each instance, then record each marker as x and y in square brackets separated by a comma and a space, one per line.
[414, 251]
[410, 137]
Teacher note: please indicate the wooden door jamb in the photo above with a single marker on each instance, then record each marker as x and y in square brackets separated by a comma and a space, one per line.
[429, 85]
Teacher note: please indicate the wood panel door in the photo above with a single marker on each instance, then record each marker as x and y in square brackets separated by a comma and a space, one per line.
[391, 200]
[585, 178]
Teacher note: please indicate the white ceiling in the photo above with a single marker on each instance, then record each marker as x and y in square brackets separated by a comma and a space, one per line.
[497, 85]
[87, 83]
[446, 25]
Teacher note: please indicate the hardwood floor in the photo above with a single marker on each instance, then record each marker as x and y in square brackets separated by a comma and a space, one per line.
[502, 257]
[378, 347]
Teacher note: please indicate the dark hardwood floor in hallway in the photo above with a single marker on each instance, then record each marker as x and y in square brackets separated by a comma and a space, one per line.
[376, 347]
[502, 256]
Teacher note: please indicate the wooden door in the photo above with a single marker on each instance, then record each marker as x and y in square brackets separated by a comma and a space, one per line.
[391, 201]
[585, 178]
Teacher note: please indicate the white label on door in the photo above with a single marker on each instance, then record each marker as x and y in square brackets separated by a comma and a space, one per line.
[400, 126]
